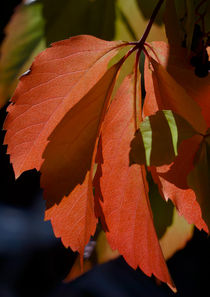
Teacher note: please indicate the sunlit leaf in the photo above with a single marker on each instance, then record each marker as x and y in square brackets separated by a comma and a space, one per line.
[177, 63]
[67, 186]
[55, 84]
[124, 190]
[163, 92]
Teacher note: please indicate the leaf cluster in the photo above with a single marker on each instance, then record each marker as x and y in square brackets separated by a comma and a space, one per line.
[116, 128]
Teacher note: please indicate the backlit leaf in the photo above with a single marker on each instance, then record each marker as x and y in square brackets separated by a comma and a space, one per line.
[59, 77]
[177, 63]
[67, 171]
[125, 191]
[163, 92]
[172, 182]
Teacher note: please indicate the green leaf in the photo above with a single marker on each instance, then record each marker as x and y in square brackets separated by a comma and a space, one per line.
[156, 142]
[23, 41]
[68, 18]
[199, 179]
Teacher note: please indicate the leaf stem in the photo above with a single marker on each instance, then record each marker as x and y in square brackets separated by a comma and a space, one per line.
[135, 103]
[139, 44]
[152, 50]
[151, 21]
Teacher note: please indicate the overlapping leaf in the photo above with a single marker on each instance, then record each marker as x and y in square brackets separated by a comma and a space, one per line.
[60, 76]
[125, 191]
[59, 114]
[67, 171]
[62, 102]
[163, 91]
[177, 64]
[158, 138]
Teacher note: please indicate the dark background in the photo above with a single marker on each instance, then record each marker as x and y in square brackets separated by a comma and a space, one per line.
[34, 263]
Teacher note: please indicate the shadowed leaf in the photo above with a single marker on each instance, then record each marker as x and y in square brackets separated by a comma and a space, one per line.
[199, 179]
[161, 134]
[172, 25]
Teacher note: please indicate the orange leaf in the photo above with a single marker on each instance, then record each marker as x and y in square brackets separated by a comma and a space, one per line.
[125, 191]
[176, 61]
[67, 171]
[172, 182]
[76, 270]
[166, 89]
[60, 76]
[163, 92]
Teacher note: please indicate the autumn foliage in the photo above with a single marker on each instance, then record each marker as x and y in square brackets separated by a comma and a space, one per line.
[83, 122]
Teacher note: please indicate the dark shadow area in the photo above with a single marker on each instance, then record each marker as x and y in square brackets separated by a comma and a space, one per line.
[189, 267]
[98, 196]
[146, 7]
[95, 18]
[137, 151]
[6, 12]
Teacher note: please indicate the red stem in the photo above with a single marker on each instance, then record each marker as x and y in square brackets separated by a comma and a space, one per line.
[135, 91]
[151, 21]
[139, 44]
[152, 50]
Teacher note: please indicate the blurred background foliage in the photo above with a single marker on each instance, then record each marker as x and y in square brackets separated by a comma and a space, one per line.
[33, 26]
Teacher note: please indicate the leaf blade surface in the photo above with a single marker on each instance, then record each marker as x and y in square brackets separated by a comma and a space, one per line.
[59, 78]
[125, 192]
